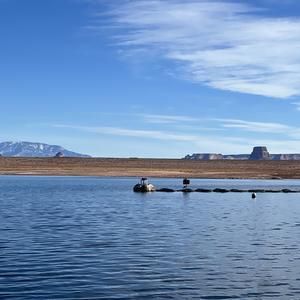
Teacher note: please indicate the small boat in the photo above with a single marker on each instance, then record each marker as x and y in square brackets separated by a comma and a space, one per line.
[144, 186]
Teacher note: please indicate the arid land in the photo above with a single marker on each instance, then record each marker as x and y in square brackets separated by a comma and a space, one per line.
[173, 168]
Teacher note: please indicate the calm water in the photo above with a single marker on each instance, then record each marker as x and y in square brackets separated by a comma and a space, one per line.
[93, 238]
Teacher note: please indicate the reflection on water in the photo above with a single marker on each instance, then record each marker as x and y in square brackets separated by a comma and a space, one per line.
[93, 238]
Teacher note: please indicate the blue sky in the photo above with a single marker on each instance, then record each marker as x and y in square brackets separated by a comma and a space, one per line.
[151, 78]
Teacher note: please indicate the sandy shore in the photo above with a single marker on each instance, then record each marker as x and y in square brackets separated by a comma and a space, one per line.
[173, 168]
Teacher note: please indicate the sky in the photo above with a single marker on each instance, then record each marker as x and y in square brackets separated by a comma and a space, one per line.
[151, 78]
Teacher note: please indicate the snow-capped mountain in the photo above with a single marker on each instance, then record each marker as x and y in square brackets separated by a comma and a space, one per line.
[28, 149]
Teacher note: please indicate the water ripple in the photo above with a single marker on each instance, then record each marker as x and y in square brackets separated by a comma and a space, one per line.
[92, 238]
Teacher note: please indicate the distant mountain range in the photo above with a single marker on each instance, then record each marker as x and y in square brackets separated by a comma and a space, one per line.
[258, 153]
[29, 149]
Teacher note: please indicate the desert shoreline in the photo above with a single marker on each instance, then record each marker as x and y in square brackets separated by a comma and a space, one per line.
[159, 168]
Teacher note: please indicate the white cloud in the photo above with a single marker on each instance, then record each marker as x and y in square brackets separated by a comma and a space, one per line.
[291, 132]
[255, 126]
[297, 104]
[202, 143]
[166, 119]
[116, 131]
[224, 45]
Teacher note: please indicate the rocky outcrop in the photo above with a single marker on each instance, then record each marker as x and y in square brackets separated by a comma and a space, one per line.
[236, 156]
[203, 190]
[222, 190]
[59, 154]
[216, 156]
[204, 156]
[217, 190]
[285, 156]
[166, 190]
[260, 153]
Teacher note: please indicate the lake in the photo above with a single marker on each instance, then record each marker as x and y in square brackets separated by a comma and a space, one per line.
[93, 238]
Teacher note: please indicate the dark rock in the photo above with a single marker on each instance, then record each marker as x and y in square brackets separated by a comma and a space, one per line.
[237, 191]
[203, 190]
[273, 191]
[59, 154]
[260, 153]
[166, 190]
[186, 190]
[220, 191]
[287, 191]
[256, 191]
[276, 177]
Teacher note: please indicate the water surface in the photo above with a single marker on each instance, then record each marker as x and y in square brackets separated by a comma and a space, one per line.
[93, 238]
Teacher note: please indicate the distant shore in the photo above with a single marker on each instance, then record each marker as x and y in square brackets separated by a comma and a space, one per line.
[168, 168]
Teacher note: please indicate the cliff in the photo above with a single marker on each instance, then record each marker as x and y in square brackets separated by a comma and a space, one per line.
[258, 153]
[204, 156]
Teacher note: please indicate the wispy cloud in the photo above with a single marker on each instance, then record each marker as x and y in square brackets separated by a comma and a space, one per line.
[166, 119]
[224, 45]
[197, 142]
[297, 104]
[255, 126]
[116, 131]
[283, 130]
[200, 143]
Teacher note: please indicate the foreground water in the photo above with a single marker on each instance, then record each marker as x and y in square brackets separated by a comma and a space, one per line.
[93, 238]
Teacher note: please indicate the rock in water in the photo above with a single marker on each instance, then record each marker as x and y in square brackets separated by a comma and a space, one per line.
[260, 153]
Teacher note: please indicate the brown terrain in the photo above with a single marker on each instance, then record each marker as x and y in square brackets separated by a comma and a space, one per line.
[176, 168]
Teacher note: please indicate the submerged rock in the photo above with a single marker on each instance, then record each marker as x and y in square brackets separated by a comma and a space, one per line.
[186, 190]
[220, 191]
[203, 190]
[166, 190]
[288, 191]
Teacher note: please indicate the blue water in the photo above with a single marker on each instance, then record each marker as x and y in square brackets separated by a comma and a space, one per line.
[93, 238]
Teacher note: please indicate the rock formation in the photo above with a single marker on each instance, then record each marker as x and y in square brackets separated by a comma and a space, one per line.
[260, 153]
[204, 156]
[285, 156]
[59, 154]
